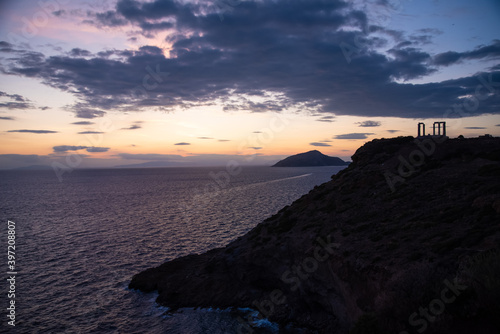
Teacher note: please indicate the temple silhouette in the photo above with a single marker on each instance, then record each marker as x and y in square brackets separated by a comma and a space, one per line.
[438, 129]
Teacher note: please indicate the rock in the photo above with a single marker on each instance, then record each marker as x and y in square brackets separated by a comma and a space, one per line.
[310, 159]
[367, 249]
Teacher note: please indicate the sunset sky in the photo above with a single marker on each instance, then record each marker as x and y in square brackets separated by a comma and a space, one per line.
[193, 82]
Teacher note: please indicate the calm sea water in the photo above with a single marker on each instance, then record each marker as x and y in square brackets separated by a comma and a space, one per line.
[79, 242]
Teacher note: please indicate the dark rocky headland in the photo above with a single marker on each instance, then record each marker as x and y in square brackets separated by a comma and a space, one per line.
[310, 159]
[404, 240]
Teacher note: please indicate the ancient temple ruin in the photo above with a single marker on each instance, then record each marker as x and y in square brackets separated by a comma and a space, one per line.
[438, 129]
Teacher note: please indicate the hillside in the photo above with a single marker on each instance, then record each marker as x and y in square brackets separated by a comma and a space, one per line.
[310, 159]
[404, 240]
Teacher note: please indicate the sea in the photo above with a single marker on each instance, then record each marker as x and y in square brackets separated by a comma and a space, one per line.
[80, 239]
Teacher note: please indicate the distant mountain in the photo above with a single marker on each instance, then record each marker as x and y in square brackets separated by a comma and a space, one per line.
[310, 159]
[34, 167]
[150, 164]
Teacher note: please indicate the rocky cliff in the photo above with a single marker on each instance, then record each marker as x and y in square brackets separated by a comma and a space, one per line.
[404, 240]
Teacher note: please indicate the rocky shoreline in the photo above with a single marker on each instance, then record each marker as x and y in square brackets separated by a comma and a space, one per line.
[370, 251]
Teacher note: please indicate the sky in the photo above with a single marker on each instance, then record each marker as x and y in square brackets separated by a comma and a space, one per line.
[89, 84]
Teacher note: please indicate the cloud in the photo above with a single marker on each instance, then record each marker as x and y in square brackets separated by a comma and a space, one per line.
[83, 123]
[353, 136]
[369, 124]
[16, 102]
[60, 12]
[182, 144]
[66, 148]
[86, 109]
[256, 51]
[327, 119]
[90, 132]
[223, 140]
[77, 52]
[33, 131]
[90, 149]
[497, 125]
[135, 126]
[6, 118]
[393, 131]
[97, 149]
[205, 138]
[475, 127]
[319, 144]
[255, 148]
[451, 57]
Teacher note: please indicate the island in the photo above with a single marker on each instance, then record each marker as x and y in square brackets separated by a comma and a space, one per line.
[406, 239]
[310, 159]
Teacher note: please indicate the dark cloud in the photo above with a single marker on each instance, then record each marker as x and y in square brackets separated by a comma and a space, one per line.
[16, 101]
[289, 50]
[83, 123]
[77, 52]
[135, 126]
[59, 13]
[393, 131]
[84, 110]
[6, 47]
[353, 136]
[33, 131]
[319, 144]
[90, 149]
[90, 132]
[182, 144]
[15, 105]
[369, 124]
[475, 127]
[97, 149]
[6, 118]
[326, 119]
[452, 57]
[256, 148]
[66, 148]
